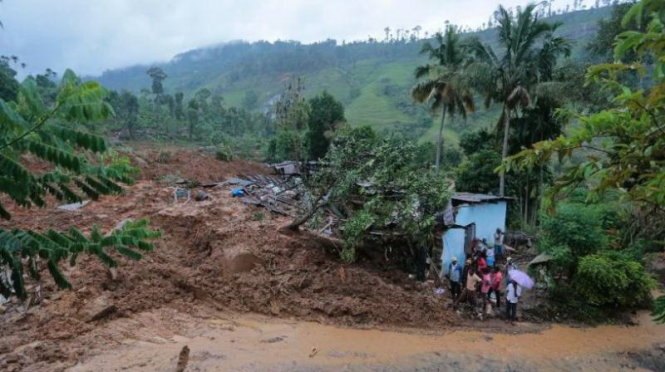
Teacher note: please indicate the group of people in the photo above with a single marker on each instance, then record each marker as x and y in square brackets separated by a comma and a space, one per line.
[481, 276]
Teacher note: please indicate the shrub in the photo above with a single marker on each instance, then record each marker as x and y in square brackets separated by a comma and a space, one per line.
[477, 173]
[592, 281]
[164, 157]
[576, 226]
[224, 153]
[611, 279]
[659, 309]
[354, 231]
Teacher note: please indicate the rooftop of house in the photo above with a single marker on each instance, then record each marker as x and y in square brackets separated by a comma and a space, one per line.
[471, 198]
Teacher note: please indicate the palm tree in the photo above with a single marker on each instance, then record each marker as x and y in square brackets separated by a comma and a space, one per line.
[529, 54]
[444, 86]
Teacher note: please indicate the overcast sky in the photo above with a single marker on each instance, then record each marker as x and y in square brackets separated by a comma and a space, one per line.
[91, 36]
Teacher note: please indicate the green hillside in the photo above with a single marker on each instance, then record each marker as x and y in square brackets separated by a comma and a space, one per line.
[371, 78]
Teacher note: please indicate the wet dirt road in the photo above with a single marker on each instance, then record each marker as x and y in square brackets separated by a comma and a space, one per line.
[256, 343]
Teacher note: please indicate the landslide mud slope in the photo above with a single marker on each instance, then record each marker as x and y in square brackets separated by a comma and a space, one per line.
[214, 255]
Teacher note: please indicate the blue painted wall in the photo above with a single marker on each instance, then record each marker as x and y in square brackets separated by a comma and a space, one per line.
[453, 246]
[487, 217]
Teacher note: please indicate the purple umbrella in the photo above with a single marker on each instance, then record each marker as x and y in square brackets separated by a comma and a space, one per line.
[521, 278]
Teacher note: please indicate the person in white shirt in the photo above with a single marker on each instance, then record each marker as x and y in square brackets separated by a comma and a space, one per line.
[498, 243]
[490, 254]
[513, 293]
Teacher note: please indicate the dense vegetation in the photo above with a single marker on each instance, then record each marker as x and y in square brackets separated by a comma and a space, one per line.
[49, 125]
[558, 127]
[617, 152]
[371, 78]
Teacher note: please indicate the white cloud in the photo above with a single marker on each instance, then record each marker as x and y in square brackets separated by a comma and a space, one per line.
[91, 36]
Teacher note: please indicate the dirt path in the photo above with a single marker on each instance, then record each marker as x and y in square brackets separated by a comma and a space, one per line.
[251, 342]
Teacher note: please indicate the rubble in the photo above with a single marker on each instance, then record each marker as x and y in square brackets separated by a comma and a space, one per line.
[74, 206]
[213, 255]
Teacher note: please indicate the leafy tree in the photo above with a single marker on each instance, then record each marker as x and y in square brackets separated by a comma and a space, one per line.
[399, 195]
[602, 45]
[50, 133]
[476, 174]
[179, 110]
[158, 76]
[444, 87]
[325, 114]
[472, 142]
[193, 115]
[529, 54]
[47, 86]
[9, 87]
[610, 279]
[591, 277]
[622, 147]
[201, 96]
[126, 108]
[250, 100]
[291, 110]
[291, 114]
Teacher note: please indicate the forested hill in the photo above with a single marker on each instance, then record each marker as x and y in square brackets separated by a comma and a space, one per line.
[371, 78]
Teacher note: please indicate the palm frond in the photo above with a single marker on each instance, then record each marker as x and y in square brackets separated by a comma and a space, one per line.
[519, 97]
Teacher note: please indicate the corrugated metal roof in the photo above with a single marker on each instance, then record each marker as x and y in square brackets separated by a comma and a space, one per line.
[467, 197]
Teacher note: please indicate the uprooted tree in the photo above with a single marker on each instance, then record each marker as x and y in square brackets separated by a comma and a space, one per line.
[381, 189]
[51, 133]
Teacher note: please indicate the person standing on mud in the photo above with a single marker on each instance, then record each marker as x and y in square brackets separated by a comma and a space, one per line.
[482, 261]
[489, 253]
[470, 290]
[497, 278]
[465, 271]
[455, 276]
[510, 265]
[485, 287]
[498, 244]
[513, 293]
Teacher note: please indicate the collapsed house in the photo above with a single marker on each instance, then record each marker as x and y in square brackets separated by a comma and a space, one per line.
[468, 217]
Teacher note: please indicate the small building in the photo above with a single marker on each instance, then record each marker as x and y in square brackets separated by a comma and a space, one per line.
[468, 217]
[287, 168]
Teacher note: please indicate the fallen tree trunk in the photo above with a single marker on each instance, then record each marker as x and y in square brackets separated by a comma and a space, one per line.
[318, 203]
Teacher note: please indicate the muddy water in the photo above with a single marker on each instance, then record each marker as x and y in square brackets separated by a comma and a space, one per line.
[250, 343]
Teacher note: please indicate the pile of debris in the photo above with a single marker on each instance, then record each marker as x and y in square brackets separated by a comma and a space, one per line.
[279, 194]
[285, 195]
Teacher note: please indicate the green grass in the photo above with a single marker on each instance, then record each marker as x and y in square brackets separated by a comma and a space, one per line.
[360, 85]
[450, 136]
[373, 107]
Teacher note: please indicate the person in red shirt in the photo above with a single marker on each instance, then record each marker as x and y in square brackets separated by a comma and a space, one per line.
[482, 262]
[497, 278]
[485, 286]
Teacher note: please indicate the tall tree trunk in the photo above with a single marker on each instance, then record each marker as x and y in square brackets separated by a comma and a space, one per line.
[504, 150]
[439, 142]
[539, 197]
[526, 206]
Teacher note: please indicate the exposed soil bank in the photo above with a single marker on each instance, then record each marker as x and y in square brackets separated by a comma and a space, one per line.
[217, 254]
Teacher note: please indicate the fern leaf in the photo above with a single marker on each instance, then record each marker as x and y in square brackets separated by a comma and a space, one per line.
[106, 259]
[60, 279]
[128, 252]
[3, 213]
[89, 191]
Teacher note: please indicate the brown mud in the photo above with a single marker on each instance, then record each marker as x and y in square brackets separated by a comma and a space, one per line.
[220, 260]
[256, 343]
[217, 254]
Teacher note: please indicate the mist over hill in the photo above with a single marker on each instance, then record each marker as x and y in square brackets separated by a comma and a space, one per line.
[371, 78]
